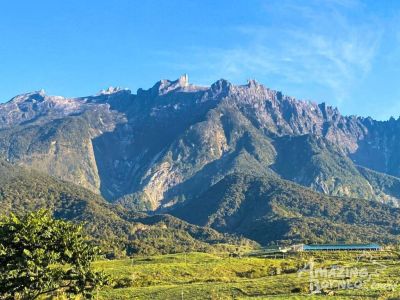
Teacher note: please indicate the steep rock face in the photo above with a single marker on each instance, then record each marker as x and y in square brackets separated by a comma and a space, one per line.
[165, 145]
[318, 164]
[379, 150]
[206, 152]
[267, 115]
[277, 114]
[58, 141]
[155, 120]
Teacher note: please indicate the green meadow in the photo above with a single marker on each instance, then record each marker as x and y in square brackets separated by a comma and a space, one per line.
[337, 275]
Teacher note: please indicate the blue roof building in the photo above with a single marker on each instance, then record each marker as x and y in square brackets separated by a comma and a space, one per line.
[341, 247]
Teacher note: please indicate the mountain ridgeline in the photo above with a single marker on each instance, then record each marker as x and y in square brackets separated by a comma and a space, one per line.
[239, 159]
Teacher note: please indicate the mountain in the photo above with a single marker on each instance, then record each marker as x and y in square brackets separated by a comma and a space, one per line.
[156, 148]
[321, 165]
[117, 230]
[271, 210]
[54, 135]
[185, 149]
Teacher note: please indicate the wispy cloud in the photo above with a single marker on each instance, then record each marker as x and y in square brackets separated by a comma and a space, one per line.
[322, 43]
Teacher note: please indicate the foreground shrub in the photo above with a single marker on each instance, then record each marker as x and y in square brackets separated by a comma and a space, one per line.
[40, 255]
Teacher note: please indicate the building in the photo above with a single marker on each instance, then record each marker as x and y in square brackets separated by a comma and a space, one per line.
[340, 247]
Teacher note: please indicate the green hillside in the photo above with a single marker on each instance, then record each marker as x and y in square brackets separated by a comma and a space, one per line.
[268, 209]
[118, 230]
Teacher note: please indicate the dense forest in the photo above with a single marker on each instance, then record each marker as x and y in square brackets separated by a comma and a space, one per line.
[118, 230]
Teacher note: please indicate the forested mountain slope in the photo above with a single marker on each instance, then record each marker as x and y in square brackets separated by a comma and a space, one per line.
[268, 209]
[241, 159]
[116, 229]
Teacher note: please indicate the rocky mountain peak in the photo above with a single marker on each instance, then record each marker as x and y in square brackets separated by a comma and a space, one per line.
[28, 97]
[221, 86]
[165, 86]
[27, 107]
[184, 80]
[252, 83]
[174, 133]
[113, 90]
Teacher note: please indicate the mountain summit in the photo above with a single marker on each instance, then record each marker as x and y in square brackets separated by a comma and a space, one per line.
[239, 158]
[165, 145]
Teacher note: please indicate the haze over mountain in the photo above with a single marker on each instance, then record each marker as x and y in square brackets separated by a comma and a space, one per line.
[167, 148]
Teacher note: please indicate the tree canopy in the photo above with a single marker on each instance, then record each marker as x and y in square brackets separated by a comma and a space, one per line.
[41, 255]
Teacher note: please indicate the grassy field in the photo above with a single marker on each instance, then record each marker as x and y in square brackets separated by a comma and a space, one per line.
[374, 275]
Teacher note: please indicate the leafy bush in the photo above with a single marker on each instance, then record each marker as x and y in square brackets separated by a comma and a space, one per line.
[40, 255]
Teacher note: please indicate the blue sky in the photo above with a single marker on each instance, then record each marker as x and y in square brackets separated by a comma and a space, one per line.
[343, 52]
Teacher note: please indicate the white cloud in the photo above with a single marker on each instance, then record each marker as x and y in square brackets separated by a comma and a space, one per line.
[321, 43]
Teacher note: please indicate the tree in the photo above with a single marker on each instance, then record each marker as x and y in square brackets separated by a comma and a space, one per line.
[41, 255]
